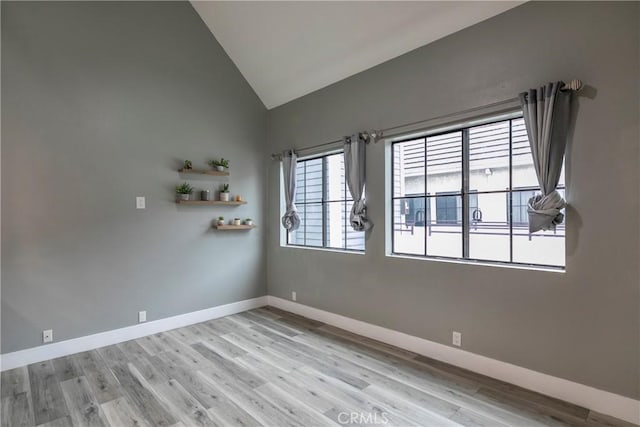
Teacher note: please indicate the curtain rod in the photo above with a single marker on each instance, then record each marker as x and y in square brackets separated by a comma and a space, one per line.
[574, 85]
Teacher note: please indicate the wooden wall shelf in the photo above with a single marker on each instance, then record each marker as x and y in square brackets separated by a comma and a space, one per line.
[203, 172]
[234, 227]
[209, 203]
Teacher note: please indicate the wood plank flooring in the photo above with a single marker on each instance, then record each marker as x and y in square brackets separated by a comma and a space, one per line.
[272, 368]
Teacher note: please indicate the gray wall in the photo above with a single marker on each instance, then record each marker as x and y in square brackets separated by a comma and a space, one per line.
[100, 102]
[582, 325]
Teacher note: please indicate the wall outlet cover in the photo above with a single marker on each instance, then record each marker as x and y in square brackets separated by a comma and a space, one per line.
[294, 297]
[142, 316]
[457, 338]
[47, 335]
[141, 202]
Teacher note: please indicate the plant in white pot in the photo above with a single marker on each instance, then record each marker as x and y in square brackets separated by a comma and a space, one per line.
[224, 193]
[183, 191]
[248, 221]
[219, 165]
[220, 220]
[237, 221]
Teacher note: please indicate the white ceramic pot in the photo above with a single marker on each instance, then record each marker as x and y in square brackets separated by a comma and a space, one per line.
[237, 222]
[220, 168]
[221, 222]
[224, 197]
[184, 196]
[250, 222]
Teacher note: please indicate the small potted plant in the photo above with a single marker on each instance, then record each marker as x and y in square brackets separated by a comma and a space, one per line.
[237, 221]
[184, 191]
[219, 165]
[224, 193]
[248, 221]
[187, 165]
[220, 220]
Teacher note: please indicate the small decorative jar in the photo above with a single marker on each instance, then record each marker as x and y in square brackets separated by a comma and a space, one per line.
[236, 221]
[205, 195]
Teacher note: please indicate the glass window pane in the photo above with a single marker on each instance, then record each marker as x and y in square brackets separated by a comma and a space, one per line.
[489, 157]
[313, 180]
[300, 182]
[489, 227]
[542, 247]
[448, 209]
[335, 226]
[444, 226]
[408, 168]
[323, 200]
[524, 175]
[444, 163]
[520, 203]
[335, 188]
[313, 224]
[409, 226]
[355, 239]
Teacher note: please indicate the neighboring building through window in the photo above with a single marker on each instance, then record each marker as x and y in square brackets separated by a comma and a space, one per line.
[478, 170]
[520, 203]
[324, 206]
[449, 208]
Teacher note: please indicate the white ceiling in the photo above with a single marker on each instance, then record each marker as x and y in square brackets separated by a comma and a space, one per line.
[288, 49]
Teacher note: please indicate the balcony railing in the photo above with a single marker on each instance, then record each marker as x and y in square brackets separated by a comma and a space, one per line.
[475, 227]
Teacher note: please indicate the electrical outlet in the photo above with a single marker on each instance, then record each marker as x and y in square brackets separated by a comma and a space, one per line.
[47, 336]
[142, 316]
[294, 297]
[140, 203]
[457, 338]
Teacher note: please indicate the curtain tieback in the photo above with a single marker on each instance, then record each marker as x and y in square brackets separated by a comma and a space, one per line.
[290, 219]
[358, 217]
[544, 211]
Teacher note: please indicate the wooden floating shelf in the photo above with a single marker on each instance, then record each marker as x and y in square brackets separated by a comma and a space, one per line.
[203, 172]
[210, 203]
[234, 227]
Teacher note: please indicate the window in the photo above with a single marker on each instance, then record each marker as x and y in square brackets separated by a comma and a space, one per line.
[520, 203]
[324, 206]
[478, 170]
[447, 210]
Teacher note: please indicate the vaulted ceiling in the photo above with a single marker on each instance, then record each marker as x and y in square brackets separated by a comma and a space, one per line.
[288, 49]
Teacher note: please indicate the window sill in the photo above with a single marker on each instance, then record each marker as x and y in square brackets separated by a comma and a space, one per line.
[482, 263]
[311, 248]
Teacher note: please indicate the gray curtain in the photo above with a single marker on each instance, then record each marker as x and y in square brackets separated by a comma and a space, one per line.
[546, 117]
[355, 147]
[290, 219]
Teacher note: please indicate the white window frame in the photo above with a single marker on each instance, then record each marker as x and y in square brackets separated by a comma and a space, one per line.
[284, 234]
[441, 128]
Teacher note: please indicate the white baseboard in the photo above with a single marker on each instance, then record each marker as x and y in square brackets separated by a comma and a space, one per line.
[90, 342]
[597, 400]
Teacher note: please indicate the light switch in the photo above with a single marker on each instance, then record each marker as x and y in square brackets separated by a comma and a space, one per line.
[140, 203]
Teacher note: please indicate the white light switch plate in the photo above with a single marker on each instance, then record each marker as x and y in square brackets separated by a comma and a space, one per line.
[140, 203]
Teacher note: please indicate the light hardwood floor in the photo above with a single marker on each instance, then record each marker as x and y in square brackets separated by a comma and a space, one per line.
[272, 368]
